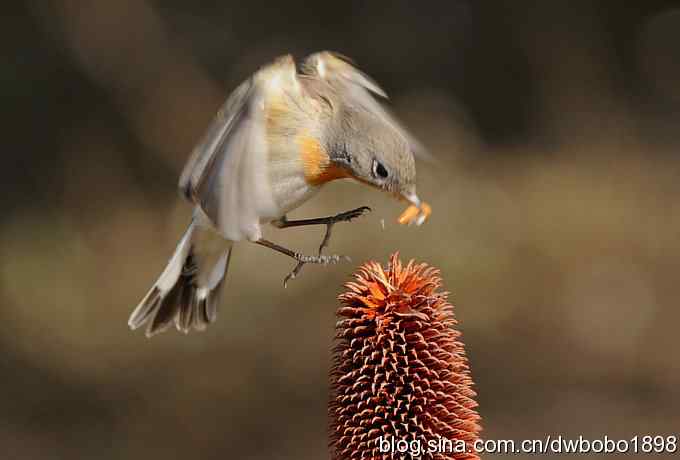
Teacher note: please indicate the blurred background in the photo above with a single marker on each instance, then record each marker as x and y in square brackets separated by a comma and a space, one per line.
[555, 222]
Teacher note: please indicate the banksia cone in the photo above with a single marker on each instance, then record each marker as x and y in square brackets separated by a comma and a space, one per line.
[400, 374]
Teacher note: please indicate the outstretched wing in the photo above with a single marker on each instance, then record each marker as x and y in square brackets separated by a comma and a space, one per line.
[226, 175]
[357, 86]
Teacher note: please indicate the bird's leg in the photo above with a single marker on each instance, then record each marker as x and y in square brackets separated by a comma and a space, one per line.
[301, 258]
[327, 221]
[320, 259]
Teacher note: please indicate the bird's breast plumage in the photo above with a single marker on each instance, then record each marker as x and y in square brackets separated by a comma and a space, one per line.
[284, 125]
[298, 162]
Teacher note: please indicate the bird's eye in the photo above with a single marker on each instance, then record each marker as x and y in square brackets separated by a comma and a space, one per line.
[379, 170]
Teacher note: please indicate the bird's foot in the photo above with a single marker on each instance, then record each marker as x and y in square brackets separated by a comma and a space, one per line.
[304, 259]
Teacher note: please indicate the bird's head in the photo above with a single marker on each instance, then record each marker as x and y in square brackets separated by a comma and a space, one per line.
[374, 152]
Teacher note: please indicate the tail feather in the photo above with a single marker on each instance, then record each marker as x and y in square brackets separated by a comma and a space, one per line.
[168, 307]
[146, 308]
[184, 319]
[177, 297]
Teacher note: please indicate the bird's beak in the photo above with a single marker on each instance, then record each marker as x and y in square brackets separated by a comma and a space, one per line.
[412, 198]
[417, 212]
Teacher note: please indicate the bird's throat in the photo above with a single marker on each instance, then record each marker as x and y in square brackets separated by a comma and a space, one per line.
[317, 164]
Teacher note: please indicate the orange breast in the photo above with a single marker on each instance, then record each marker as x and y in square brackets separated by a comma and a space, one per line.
[318, 167]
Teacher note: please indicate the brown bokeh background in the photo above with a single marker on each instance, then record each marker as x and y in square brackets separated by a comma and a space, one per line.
[556, 219]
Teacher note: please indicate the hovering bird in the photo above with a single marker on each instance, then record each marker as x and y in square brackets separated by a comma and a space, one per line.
[279, 137]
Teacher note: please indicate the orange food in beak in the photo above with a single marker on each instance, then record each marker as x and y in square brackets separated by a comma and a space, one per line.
[415, 215]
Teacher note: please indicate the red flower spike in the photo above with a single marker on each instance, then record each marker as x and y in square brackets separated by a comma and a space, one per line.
[400, 375]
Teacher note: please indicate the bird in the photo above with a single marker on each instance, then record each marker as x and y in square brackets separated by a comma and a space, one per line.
[280, 136]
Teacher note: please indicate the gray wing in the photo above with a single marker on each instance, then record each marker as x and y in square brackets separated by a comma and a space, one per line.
[226, 175]
[358, 86]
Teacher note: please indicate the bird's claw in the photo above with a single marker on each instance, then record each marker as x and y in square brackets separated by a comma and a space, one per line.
[349, 215]
[320, 260]
[293, 274]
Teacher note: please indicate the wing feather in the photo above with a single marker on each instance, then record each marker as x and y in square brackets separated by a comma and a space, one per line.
[204, 153]
[226, 175]
[329, 66]
[361, 97]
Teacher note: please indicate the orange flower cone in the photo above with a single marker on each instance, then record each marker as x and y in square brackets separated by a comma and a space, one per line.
[400, 376]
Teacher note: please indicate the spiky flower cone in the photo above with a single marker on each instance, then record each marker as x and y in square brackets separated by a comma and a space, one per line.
[400, 372]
